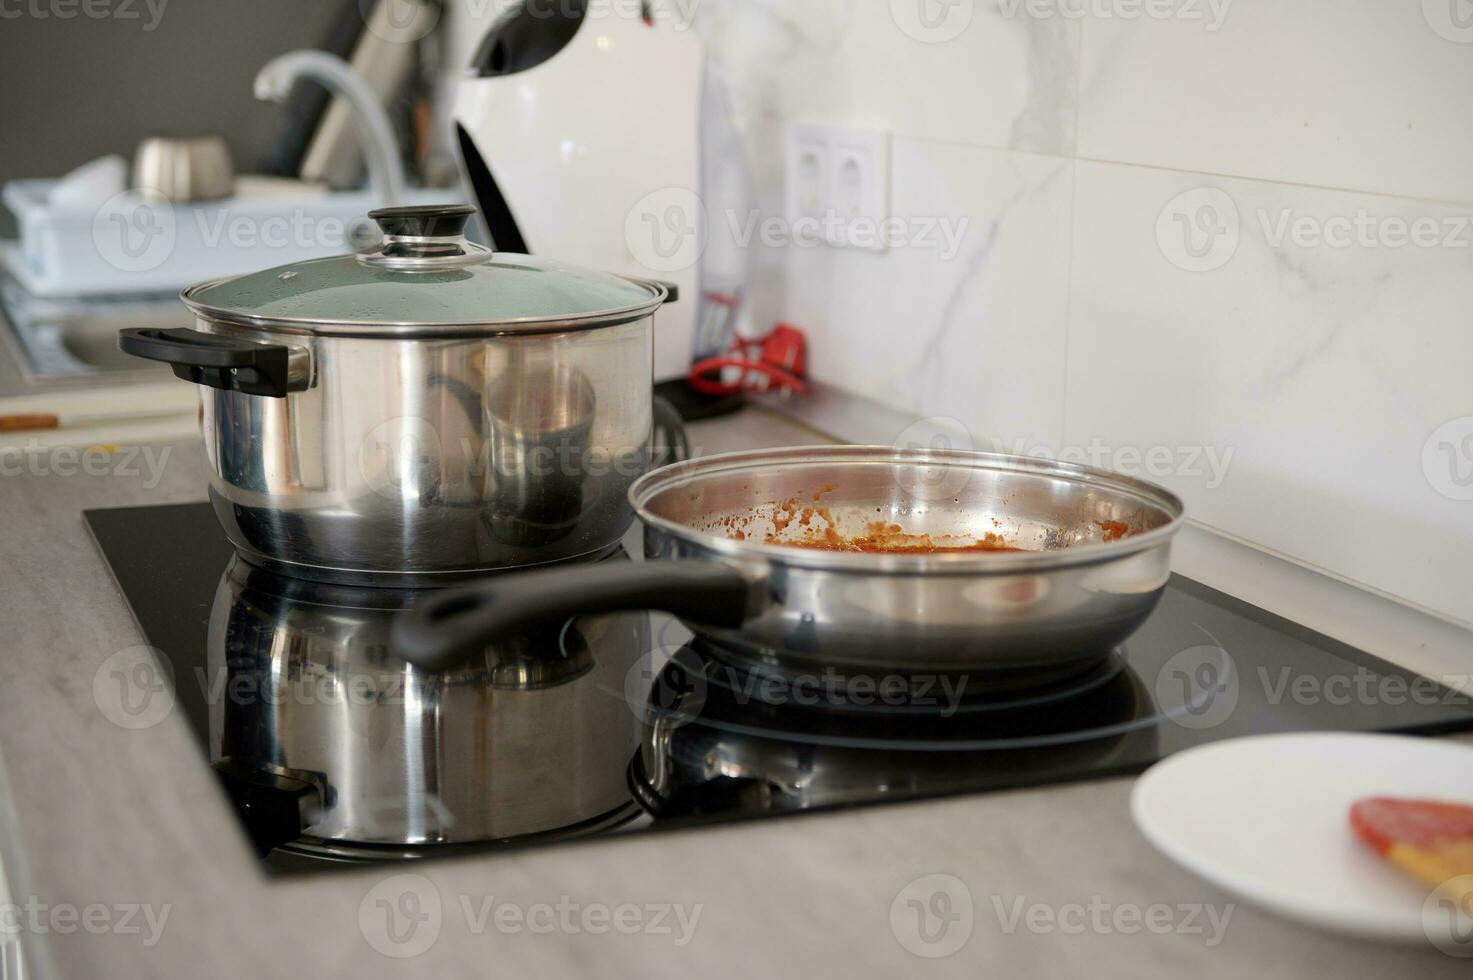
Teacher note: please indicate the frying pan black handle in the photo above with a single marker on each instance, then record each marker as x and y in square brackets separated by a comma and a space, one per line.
[446, 628]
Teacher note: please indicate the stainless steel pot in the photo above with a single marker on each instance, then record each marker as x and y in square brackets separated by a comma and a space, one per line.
[421, 412]
[308, 701]
[1060, 606]
[184, 169]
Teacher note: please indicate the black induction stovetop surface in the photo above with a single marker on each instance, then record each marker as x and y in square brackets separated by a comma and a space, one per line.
[719, 746]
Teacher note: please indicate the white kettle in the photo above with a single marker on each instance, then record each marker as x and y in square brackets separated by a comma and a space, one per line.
[580, 131]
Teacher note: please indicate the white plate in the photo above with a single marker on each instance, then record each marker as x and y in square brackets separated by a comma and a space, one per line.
[1267, 818]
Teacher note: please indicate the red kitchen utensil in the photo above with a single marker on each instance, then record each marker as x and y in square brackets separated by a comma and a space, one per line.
[1429, 839]
[778, 359]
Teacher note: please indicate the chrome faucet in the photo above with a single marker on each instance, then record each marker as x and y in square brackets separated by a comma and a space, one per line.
[385, 170]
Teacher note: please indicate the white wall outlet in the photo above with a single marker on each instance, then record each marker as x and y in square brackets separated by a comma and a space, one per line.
[838, 177]
[807, 172]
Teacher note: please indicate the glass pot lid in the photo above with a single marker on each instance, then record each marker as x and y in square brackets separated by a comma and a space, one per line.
[426, 279]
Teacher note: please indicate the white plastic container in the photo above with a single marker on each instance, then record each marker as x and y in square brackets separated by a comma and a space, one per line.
[132, 243]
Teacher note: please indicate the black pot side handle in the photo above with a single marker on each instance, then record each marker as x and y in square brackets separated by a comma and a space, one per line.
[446, 628]
[228, 363]
[276, 809]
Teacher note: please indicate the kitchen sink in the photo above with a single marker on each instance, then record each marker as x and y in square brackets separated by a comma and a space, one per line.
[75, 341]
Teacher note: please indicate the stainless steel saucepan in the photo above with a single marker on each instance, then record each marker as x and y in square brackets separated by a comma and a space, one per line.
[1096, 559]
[421, 412]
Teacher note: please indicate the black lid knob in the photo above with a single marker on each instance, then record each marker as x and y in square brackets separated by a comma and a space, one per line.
[424, 221]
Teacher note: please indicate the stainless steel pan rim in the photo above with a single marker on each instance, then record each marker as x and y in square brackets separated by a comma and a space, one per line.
[672, 478]
[786, 611]
[429, 330]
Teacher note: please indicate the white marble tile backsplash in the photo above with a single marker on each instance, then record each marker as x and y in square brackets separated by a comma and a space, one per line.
[1358, 94]
[967, 321]
[978, 77]
[1317, 373]
[1302, 157]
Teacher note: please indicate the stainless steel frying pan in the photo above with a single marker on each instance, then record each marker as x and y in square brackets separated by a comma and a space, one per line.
[1060, 605]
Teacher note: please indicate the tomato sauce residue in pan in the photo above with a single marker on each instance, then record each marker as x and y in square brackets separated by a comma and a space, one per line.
[882, 538]
[809, 524]
[797, 523]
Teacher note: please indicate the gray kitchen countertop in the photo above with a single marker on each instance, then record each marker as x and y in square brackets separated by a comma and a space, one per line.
[99, 815]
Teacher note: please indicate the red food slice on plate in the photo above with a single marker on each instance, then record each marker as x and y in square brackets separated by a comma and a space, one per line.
[1430, 839]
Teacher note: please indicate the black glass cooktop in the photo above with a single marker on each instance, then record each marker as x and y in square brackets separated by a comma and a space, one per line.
[332, 751]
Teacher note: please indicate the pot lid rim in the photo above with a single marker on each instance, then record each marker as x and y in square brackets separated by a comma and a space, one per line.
[658, 295]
